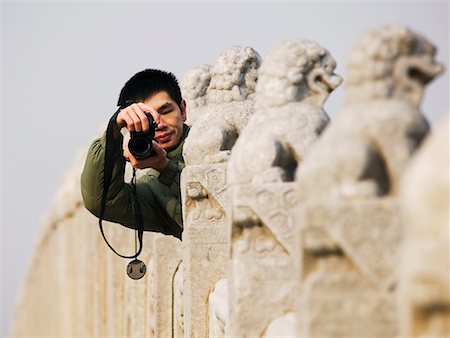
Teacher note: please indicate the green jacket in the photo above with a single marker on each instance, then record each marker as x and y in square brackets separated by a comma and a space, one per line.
[158, 193]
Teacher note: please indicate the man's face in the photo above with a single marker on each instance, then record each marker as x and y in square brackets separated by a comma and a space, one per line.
[170, 128]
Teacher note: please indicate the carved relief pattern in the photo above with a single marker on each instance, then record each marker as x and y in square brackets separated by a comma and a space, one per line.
[273, 204]
[206, 240]
[205, 193]
[356, 255]
[258, 241]
[368, 232]
[337, 285]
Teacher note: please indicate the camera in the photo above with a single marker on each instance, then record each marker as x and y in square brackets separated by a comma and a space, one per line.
[140, 144]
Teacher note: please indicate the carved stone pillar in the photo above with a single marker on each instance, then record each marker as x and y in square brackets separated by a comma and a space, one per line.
[294, 81]
[178, 303]
[222, 96]
[166, 261]
[424, 288]
[348, 260]
[205, 241]
[262, 279]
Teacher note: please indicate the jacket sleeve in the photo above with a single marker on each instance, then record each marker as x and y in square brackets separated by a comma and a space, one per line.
[120, 196]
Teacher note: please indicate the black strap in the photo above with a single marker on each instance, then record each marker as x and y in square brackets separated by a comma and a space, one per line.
[107, 175]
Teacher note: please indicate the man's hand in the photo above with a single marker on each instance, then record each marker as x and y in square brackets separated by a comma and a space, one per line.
[157, 161]
[134, 119]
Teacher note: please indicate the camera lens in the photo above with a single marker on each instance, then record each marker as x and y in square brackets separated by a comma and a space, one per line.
[140, 144]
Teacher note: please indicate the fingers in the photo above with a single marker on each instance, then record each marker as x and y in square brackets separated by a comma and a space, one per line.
[126, 152]
[134, 117]
[151, 110]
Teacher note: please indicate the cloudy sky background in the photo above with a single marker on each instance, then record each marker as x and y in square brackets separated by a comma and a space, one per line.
[63, 65]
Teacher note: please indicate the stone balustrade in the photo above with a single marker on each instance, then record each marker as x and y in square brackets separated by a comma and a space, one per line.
[293, 226]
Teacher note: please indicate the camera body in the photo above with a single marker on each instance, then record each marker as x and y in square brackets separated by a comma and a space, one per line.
[140, 143]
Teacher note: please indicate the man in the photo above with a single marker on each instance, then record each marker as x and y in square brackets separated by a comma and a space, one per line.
[158, 192]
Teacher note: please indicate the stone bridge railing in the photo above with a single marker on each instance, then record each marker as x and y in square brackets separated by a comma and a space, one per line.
[293, 226]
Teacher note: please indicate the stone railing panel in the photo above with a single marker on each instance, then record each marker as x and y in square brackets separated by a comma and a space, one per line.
[263, 257]
[205, 241]
[348, 262]
[167, 258]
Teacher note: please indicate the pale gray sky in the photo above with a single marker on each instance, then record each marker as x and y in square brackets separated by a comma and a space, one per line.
[63, 65]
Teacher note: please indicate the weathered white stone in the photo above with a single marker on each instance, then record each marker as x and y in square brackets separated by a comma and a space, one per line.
[282, 327]
[167, 258]
[193, 89]
[178, 303]
[76, 285]
[206, 238]
[228, 107]
[262, 279]
[366, 149]
[137, 293]
[67, 198]
[424, 295]
[349, 255]
[254, 242]
[294, 81]
[218, 310]
[390, 62]
[118, 309]
[224, 112]
[41, 300]
[348, 226]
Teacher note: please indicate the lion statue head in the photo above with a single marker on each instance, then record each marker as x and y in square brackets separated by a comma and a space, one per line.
[295, 71]
[233, 76]
[194, 85]
[391, 62]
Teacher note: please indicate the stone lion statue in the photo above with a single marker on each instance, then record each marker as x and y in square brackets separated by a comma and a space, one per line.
[424, 279]
[294, 81]
[194, 85]
[364, 152]
[228, 106]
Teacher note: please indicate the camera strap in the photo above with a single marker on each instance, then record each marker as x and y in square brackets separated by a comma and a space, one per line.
[136, 268]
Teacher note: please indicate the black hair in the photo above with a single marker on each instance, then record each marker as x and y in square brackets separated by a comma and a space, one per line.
[147, 82]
